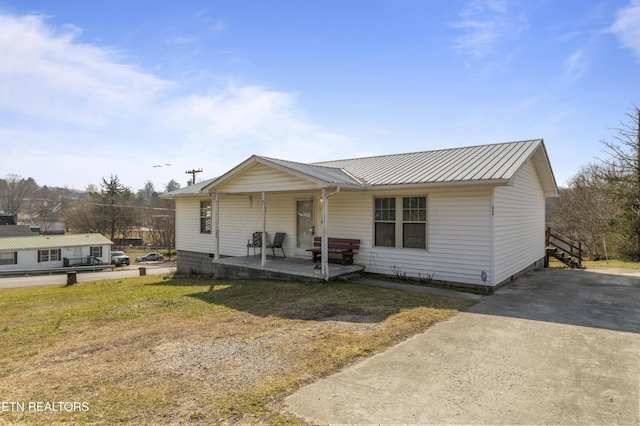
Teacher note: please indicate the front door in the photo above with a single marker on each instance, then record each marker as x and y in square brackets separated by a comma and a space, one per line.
[305, 226]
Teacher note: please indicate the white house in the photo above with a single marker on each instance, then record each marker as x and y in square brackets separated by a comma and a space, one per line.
[47, 252]
[472, 215]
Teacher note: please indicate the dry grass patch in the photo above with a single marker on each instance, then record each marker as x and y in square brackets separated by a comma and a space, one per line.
[150, 350]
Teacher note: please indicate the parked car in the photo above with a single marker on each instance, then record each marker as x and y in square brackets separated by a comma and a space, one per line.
[119, 258]
[149, 257]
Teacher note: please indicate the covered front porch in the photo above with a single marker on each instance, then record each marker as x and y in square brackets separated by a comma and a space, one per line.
[253, 267]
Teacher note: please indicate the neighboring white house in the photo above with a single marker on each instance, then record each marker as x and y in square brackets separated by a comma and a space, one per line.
[46, 252]
[470, 215]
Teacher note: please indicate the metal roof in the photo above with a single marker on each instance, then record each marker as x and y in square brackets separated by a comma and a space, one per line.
[52, 241]
[476, 163]
[332, 175]
[488, 164]
[17, 231]
[194, 189]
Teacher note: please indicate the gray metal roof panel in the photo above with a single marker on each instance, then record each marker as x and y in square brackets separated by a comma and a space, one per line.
[195, 189]
[483, 162]
[52, 241]
[328, 174]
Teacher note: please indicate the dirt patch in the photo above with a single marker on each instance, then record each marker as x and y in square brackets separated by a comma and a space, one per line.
[332, 313]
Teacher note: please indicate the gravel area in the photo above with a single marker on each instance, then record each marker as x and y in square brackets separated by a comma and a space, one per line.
[241, 361]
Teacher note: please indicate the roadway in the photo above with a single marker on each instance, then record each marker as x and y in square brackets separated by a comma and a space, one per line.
[153, 268]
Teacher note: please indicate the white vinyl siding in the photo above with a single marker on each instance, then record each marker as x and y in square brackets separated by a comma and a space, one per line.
[240, 218]
[518, 224]
[263, 178]
[188, 236]
[458, 232]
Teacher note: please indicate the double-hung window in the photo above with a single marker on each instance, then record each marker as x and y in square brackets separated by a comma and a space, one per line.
[96, 251]
[9, 258]
[385, 222]
[406, 228]
[414, 222]
[205, 217]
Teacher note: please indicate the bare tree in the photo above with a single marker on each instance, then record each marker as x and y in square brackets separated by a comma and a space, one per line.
[160, 220]
[587, 210]
[622, 170]
[13, 190]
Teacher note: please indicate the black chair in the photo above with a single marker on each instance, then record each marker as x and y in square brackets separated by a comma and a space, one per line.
[277, 243]
[255, 242]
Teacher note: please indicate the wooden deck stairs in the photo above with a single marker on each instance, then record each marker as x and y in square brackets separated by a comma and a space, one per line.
[564, 249]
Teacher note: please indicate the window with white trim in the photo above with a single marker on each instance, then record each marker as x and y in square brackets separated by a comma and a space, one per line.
[9, 258]
[96, 251]
[205, 217]
[408, 230]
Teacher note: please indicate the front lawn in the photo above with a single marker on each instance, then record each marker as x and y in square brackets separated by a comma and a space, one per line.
[154, 350]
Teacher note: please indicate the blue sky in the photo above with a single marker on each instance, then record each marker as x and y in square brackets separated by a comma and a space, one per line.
[91, 89]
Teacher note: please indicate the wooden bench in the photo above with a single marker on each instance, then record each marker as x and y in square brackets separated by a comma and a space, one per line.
[341, 250]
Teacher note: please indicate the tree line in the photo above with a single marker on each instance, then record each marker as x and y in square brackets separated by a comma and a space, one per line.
[110, 209]
[601, 204]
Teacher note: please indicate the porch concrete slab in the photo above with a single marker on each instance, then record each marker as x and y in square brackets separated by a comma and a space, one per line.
[283, 268]
[554, 347]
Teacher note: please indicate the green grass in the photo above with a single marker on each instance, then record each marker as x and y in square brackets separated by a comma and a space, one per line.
[124, 346]
[611, 263]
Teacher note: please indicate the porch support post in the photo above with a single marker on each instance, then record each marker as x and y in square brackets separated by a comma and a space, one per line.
[263, 251]
[324, 251]
[216, 227]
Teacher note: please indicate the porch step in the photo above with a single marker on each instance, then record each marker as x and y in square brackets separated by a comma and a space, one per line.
[349, 277]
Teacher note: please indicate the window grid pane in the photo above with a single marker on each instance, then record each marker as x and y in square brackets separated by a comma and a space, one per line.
[414, 235]
[414, 227]
[384, 217]
[385, 234]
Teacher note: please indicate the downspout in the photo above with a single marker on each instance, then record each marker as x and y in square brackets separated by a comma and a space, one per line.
[263, 250]
[325, 229]
[492, 252]
[216, 227]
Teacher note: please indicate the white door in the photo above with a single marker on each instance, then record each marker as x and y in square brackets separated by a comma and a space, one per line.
[305, 226]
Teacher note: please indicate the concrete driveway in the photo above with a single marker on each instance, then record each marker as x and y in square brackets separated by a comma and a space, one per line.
[554, 347]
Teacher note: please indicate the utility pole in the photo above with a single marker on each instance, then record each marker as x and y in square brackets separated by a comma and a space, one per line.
[193, 173]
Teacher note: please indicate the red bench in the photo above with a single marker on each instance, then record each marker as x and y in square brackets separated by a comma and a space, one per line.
[341, 250]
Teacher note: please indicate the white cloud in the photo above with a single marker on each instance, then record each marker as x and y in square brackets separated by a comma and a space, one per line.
[627, 26]
[576, 65]
[483, 24]
[79, 104]
[47, 73]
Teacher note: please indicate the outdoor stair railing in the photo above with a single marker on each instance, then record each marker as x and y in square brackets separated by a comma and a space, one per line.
[563, 248]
